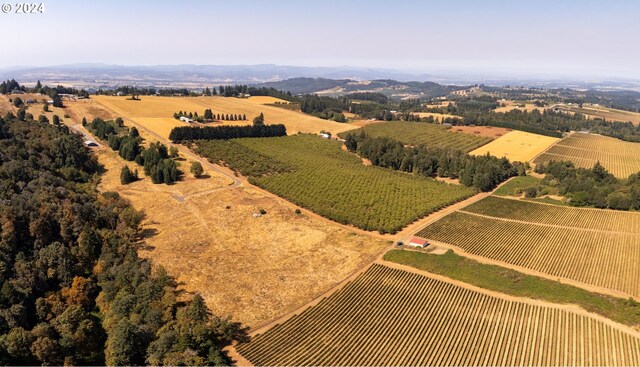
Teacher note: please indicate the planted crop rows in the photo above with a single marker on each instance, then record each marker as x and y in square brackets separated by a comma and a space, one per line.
[393, 317]
[336, 184]
[600, 248]
[416, 133]
[584, 150]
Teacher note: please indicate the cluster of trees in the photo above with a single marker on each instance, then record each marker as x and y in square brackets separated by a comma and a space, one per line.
[482, 172]
[156, 160]
[73, 290]
[594, 187]
[209, 115]
[368, 96]
[327, 108]
[189, 133]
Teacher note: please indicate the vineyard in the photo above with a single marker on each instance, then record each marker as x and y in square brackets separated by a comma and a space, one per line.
[594, 247]
[596, 219]
[393, 317]
[432, 135]
[584, 150]
[335, 184]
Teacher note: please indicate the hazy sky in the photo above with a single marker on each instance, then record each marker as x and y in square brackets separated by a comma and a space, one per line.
[532, 37]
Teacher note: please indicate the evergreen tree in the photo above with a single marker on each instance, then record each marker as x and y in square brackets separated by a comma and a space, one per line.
[56, 119]
[126, 176]
[196, 169]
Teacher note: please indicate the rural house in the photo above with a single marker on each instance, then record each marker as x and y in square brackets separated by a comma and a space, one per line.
[418, 242]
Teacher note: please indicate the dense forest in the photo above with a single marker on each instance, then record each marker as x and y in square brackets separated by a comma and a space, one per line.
[588, 187]
[481, 172]
[189, 133]
[73, 289]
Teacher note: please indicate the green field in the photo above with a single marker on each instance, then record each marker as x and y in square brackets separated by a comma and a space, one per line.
[316, 174]
[416, 133]
[500, 279]
[516, 185]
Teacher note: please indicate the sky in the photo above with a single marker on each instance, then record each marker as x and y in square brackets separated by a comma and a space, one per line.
[541, 37]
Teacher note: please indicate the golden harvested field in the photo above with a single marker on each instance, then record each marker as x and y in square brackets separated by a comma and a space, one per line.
[266, 100]
[619, 157]
[591, 246]
[389, 316]
[151, 107]
[517, 146]
[255, 269]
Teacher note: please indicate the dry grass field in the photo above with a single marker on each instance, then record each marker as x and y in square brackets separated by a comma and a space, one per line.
[619, 157]
[266, 100]
[252, 268]
[517, 146]
[161, 109]
[591, 246]
[389, 316]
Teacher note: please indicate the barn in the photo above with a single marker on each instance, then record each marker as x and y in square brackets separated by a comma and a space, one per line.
[418, 242]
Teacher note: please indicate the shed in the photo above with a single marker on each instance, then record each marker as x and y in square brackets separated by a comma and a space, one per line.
[186, 119]
[418, 242]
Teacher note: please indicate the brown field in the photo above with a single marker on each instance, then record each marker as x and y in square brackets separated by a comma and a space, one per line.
[595, 111]
[395, 316]
[619, 157]
[489, 131]
[164, 107]
[517, 146]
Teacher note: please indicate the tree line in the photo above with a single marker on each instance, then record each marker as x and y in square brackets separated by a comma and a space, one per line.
[156, 159]
[189, 133]
[73, 290]
[210, 116]
[594, 187]
[482, 172]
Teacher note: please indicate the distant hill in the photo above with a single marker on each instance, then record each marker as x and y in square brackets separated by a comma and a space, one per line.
[391, 88]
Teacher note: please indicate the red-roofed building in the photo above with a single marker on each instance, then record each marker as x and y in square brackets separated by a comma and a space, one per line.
[418, 242]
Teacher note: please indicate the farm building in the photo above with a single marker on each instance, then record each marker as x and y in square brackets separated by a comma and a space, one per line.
[186, 119]
[418, 242]
[325, 135]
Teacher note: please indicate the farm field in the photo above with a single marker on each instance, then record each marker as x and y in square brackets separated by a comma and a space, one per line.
[393, 317]
[439, 116]
[619, 157]
[589, 246]
[162, 108]
[513, 105]
[415, 133]
[517, 146]
[335, 184]
[610, 114]
[488, 131]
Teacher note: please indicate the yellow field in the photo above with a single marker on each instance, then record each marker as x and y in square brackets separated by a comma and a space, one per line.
[390, 316]
[517, 146]
[621, 158]
[161, 110]
[266, 100]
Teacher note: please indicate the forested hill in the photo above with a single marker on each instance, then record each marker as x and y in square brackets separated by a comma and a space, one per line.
[345, 86]
[72, 287]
